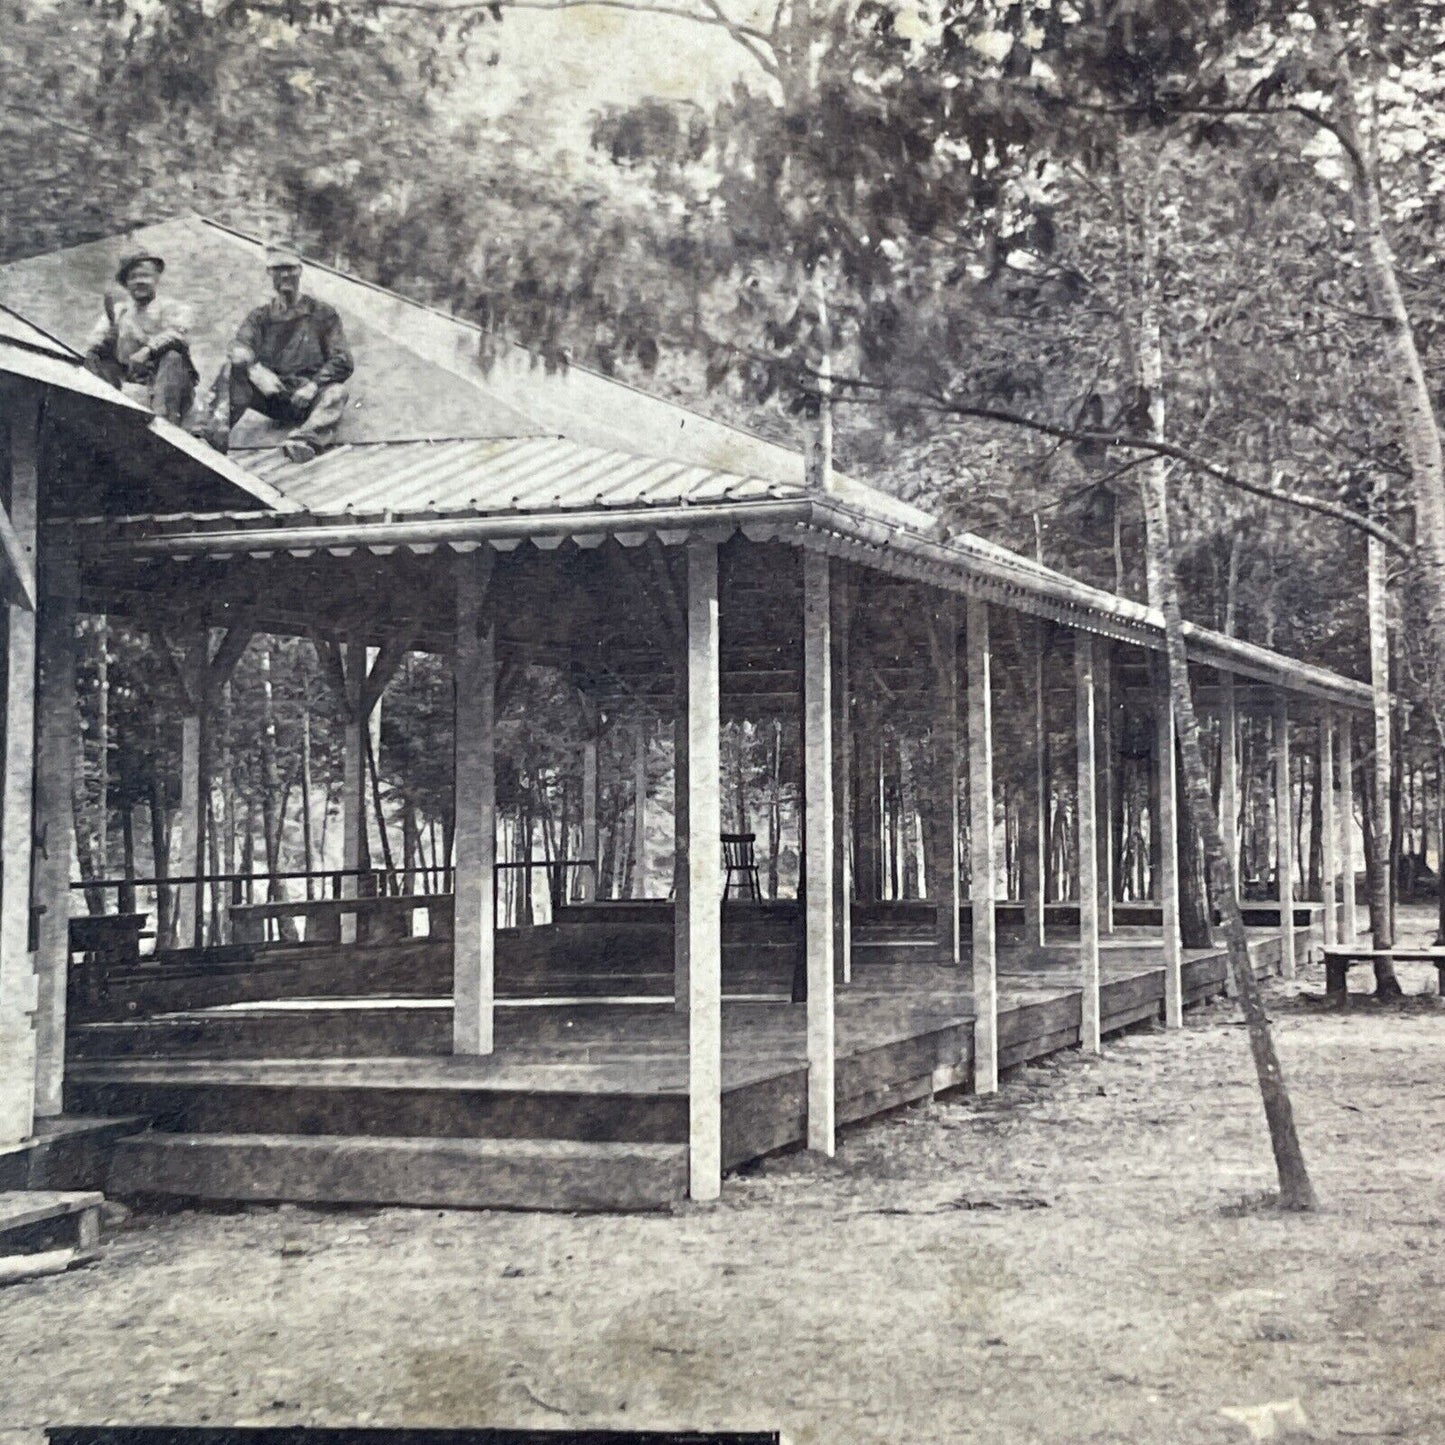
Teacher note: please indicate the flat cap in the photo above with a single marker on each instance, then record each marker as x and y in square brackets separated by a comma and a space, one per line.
[281, 253]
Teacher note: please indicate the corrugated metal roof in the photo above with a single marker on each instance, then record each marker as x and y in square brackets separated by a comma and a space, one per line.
[484, 477]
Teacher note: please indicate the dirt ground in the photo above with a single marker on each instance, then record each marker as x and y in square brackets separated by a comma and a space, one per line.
[1066, 1262]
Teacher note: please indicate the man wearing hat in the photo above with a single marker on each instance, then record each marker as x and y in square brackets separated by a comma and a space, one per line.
[142, 342]
[288, 361]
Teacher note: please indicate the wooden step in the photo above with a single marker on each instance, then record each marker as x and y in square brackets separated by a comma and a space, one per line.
[31, 1219]
[432, 1097]
[435, 1173]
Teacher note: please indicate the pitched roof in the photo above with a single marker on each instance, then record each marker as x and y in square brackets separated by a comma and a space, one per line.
[421, 373]
[508, 449]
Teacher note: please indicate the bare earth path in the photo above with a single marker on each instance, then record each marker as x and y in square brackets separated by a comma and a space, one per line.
[1058, 1264]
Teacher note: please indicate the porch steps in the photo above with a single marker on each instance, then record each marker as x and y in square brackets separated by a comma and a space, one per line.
[440, 1097]
[534, 1174]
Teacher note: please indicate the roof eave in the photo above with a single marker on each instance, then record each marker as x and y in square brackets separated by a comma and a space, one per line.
[819, 522]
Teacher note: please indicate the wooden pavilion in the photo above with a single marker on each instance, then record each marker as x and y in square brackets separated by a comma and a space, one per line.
[484, 508]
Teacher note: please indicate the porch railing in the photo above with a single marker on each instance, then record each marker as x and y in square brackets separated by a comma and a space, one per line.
[526, 894]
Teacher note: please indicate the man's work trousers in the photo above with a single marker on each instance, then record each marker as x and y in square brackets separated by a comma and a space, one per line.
[315, 423]
[166, 384]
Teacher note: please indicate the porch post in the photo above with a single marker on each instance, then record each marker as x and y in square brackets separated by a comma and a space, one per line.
[1284, 835]
[704, 828]
[1229, 792]
[681, 868]
[984, 890]
[1349, 862]
[1087, 734]
[949, 888]
[353, 776]
[818, 844]
[842, 778]
[1104, 684]
[474, 888]
[1329, 822]
[639, 808]
[17, 976]
[1033, 831]
[1229, 772]
[193, 795]
[1168, 821]
[53, 824]
[587, 881]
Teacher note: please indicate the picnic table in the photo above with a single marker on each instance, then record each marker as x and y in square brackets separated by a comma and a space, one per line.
[1340, 958]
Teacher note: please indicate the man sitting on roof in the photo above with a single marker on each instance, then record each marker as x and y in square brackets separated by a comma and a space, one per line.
[288, 361]
[142, 343]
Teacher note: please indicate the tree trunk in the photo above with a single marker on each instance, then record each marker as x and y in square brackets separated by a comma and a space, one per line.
[1196, 915]
[907, 823]
[1380, 837]
[1419, 429]
[1295, 1190]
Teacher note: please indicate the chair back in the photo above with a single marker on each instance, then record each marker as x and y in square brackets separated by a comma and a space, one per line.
[738, 850]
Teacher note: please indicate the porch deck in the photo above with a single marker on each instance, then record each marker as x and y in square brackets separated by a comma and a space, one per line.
[315, 1094]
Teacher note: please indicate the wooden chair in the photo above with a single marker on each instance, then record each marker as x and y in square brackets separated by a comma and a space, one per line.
[740, 859]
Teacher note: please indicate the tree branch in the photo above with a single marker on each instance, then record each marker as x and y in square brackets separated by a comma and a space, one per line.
[1320, 506]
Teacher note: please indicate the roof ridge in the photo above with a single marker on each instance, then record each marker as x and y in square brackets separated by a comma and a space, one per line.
[540, 436]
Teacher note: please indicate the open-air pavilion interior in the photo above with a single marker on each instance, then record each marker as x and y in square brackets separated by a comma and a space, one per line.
[425, 1048]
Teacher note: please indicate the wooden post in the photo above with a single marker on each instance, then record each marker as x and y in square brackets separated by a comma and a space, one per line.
[818, 800]
[984, 890]
[353, 782]
[475, 781]
[17, 974]
[1086, 731]
[1349, 861]
[1229, 791]
[704, 828]
[192, 827]
[587, 882]
[1167, 790]
[682, 869]
[55, 772]
[842, 778]
[1284, 835]
[1229, 770]
[1330, 824]
[1033, 833]
[949, 888]
[639, 809]
[1104, 684]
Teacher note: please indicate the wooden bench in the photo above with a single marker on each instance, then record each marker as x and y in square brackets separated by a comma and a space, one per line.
[384, 918]
[109, 945]
[1339, 959]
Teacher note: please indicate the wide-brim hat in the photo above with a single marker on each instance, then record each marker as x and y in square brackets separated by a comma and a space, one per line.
[133, 258]
[279, 253]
